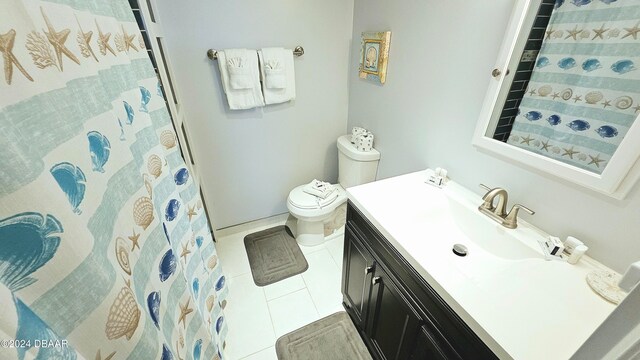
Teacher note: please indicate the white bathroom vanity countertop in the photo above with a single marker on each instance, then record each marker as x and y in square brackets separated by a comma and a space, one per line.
[526, 308]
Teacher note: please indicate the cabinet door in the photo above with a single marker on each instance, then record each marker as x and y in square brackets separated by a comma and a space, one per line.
[427, 346]
[357, 268]
[393, 324]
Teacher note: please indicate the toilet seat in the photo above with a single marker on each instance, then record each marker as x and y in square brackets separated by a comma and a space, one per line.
[302, 200]
[308, 207]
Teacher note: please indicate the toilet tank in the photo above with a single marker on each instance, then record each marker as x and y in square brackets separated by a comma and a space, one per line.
[355, 167]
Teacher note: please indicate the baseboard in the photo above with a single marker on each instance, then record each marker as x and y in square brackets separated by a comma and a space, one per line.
[229, 230]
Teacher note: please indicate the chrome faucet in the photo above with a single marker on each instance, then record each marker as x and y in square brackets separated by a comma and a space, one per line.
[498, 212]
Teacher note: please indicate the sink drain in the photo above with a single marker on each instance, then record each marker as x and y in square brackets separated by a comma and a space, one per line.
[460, 250]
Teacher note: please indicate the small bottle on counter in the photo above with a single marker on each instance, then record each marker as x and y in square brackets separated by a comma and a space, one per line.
[577, 254]
[574, 249]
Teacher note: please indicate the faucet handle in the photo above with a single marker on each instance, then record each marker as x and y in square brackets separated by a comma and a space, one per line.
[511, 220]
[487, 204]
[517, 207]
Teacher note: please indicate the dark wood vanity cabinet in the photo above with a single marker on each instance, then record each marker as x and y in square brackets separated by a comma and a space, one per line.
[394, 323]
[356, 278]
[398, 315]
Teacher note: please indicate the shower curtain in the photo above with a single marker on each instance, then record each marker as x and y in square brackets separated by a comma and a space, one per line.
[584, 92]
[105, 251]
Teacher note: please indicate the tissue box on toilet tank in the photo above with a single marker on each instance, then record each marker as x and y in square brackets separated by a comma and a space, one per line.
[364, 142]
[357, 131]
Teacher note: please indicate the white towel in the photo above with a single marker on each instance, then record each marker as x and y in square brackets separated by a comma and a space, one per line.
[240, 78]
[278, 75]
[319, 188]
[240, 74]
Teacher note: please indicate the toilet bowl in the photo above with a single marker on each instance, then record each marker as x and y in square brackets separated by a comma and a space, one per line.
[311, 212]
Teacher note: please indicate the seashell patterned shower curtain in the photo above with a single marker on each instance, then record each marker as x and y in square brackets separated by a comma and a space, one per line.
[105, 251]
[584, 92]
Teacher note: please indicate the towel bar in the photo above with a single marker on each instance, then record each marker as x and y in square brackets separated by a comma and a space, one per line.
[213, 54]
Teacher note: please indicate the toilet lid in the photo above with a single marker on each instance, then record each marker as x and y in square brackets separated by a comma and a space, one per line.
[302, 200]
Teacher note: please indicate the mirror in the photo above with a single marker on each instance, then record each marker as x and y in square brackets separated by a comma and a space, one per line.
[564, 96]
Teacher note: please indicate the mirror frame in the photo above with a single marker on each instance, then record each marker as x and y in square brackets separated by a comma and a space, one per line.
[623, 169]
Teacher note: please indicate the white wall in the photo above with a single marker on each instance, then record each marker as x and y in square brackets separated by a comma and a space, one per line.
[441, 56]
[248, 161]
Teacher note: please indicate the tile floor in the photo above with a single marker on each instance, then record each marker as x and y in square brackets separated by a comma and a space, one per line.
[258, 316]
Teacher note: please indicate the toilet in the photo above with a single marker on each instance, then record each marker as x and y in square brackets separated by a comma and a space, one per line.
[312, 213]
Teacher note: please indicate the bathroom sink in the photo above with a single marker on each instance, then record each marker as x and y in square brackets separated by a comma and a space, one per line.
[476, 228]
[503, 283]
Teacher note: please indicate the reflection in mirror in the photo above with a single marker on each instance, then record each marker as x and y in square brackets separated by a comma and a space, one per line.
[523, 66]
[574, 92]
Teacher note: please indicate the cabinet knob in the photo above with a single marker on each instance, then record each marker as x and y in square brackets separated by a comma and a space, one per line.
[496, 72]
[376, 280]
[368, 270]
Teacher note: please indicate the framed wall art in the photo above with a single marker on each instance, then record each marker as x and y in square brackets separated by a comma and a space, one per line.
[374, 55]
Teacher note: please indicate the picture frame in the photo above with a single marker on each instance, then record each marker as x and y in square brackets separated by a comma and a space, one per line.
[374, 55]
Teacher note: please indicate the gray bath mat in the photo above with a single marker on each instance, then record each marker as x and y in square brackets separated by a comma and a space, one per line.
[274, 255]
[334, 337]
